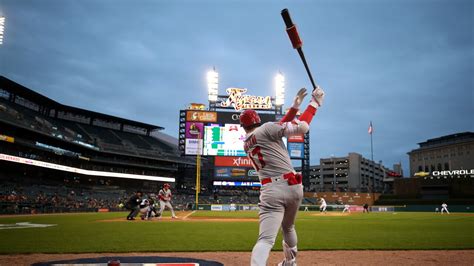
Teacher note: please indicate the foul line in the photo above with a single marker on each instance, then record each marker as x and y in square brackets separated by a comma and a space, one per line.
[186, 217]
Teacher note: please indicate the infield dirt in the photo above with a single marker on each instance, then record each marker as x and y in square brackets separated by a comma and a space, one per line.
[366, 257]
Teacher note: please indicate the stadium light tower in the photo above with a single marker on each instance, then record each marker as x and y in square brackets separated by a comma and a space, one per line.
[2, 28]
[280, 89]
[212, 85]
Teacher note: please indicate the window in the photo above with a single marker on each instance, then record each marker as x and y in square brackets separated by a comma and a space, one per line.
[446, 166]
[439, 167]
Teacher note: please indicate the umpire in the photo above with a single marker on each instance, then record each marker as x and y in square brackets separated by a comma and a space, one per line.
[133, 204]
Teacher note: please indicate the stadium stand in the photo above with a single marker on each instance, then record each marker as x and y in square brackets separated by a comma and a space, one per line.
[56, 136]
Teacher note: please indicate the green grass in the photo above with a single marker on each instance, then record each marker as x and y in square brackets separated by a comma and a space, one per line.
[78, 233]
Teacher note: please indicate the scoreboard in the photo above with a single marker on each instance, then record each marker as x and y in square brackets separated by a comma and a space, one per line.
[213, 133]
[227, 140]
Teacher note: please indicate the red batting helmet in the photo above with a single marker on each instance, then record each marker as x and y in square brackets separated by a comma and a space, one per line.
[166, 185]
[249, 118]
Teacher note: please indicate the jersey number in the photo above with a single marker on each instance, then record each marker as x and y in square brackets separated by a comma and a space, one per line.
[256, 154]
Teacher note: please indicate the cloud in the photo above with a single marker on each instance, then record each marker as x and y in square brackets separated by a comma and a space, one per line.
[406, 66]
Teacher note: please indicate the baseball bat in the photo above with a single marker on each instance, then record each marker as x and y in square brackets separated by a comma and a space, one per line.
[296, 41]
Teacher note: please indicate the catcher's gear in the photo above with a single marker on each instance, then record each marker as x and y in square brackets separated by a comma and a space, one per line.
[249, 118]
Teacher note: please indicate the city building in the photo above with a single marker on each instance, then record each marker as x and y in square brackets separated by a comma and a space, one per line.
[446, 153]
[351, 173]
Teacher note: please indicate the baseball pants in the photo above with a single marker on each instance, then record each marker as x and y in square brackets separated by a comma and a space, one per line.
[164, 204]
[133, 212]
[279, 204]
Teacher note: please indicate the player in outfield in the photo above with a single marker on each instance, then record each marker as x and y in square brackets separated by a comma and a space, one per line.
[366, 208]
[444, 208]
[347, 208]
[165, 200]
[282, 190]
[323, 206]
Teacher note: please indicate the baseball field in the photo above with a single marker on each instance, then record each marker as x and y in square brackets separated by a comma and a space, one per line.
[206, 231]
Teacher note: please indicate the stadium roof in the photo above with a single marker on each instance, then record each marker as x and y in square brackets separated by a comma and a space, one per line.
[41, 100]
[448, 139]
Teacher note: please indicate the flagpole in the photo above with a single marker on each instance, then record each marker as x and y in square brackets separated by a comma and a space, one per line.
[372, 158]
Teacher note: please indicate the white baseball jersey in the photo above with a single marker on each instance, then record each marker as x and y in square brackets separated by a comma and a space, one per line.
[323, 202]
[164, 195]
[444, 205]
[266, 150]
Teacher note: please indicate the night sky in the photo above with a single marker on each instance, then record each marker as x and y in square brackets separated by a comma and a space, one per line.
[407, 66]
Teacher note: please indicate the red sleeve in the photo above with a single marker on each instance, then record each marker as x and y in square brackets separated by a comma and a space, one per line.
[308, 114]
[290, 115]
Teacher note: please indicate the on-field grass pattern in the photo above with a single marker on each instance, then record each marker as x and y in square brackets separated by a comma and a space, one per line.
[110, 232]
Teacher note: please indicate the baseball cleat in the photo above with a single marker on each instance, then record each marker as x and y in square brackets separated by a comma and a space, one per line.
[290, 255]
[288, 263]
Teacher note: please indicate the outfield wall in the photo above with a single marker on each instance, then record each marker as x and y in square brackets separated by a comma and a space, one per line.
[339, 208]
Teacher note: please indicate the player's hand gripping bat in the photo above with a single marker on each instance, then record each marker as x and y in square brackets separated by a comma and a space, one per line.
[296, 41]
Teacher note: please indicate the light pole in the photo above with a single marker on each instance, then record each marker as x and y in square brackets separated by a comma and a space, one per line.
[280, 89]
[212, 85]
[2, 29]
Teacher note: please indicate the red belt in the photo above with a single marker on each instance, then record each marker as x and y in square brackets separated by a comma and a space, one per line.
[292, 178]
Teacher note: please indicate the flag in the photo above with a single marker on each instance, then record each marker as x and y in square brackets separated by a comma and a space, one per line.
[371, 129]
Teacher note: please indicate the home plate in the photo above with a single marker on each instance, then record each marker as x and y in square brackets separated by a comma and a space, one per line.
[171, 264]
[130, 264]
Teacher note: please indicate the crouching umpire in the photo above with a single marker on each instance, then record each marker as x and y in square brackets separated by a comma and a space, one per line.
[133, 204]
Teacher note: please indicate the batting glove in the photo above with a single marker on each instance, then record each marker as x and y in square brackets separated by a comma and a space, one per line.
[317, 97]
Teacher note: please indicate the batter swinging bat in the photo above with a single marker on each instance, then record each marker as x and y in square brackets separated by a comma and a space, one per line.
[296, 41]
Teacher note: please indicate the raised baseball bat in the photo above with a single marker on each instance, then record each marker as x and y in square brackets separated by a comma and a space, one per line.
[296, 41]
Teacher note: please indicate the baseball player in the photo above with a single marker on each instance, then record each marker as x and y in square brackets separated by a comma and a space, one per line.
[144, 209]
[366, 208]
[165, 200]
[323, 206]
[444, 207]
[281, 192]
[346, 208]
[133, 204]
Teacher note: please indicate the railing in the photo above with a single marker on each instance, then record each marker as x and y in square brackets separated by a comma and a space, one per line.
[36, 208]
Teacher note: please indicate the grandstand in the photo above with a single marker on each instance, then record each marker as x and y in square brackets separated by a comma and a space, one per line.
[48, 149]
